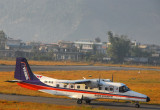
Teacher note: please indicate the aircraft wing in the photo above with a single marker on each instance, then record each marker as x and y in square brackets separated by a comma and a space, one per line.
[77, 81]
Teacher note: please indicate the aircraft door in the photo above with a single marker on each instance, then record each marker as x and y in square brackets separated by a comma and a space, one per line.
[71, 86]
[101, 89]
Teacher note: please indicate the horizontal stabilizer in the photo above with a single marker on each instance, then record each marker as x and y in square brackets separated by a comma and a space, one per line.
[14, 81]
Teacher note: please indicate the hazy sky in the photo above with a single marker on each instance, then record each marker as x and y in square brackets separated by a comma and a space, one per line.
[53, 20]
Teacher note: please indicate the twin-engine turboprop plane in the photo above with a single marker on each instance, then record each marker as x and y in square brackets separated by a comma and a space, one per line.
[82, 90]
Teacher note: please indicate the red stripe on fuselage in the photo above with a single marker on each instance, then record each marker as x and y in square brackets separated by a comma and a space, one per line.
[38, 87]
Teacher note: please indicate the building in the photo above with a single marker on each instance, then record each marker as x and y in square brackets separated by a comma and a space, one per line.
[66, 51]
[67, 46]
[134, 43]
[150, 48]
[12, 44]
[53, 47]
[63, 50]
[93, 47]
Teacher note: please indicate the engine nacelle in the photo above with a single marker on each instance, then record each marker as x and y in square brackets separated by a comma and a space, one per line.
[95, 83]
[106, 80]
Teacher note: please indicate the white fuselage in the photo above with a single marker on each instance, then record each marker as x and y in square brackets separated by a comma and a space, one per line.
[109, 90]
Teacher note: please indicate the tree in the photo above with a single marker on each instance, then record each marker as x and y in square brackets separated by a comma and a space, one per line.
[97, 39]
[118, 48]
[138, 52]
[2, 40]
[94, 49]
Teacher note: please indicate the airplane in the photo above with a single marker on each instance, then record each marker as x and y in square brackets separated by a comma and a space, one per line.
[82, 90]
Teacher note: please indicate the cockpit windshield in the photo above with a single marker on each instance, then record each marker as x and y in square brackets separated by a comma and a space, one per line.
[123, 89]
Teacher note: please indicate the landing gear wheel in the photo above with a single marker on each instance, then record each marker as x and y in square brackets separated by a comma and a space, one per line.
[79, 101]
[88, 101]
[137, 105]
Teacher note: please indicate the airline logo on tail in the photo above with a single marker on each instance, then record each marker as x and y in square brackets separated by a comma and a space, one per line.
[25, 73]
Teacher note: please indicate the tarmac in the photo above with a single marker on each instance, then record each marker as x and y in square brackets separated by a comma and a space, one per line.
[71, 102]
[69, 68]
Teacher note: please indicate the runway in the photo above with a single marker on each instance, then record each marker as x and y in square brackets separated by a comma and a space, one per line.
[68, 68]
[71, 102]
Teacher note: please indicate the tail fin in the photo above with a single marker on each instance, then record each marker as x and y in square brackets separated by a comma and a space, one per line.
[23, 71]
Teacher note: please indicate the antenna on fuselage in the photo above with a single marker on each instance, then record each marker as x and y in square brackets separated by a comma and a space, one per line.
[90, 76]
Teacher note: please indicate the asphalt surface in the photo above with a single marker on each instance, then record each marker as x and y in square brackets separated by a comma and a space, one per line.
[70, 102]
[67, 68]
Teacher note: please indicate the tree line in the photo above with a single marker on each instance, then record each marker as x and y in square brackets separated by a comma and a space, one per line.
[121, 47]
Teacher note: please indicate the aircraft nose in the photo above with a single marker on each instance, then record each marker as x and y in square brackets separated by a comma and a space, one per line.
[148, 99]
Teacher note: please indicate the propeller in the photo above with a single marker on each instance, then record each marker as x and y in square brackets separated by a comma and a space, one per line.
[99, 82]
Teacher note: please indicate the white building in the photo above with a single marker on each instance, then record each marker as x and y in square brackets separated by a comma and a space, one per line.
[84, 46]
[12, 43]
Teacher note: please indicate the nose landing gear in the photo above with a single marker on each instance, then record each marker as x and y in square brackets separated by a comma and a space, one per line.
[137, 105]
[79, 101]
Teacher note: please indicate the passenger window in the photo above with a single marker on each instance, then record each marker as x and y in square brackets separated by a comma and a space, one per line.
[106, 88]
[111, 89]
[72, 86]
[100, 88]
[78, 87]
[45, 81]
[86, 87]
[65, 86]
[57, 85]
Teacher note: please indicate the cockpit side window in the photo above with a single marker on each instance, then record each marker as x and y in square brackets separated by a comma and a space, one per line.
[121, 89]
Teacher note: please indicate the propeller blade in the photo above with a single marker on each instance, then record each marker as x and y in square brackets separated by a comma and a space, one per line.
[99, 81]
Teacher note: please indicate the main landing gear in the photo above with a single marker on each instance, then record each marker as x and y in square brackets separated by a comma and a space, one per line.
[88, 101]
[79, 101]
